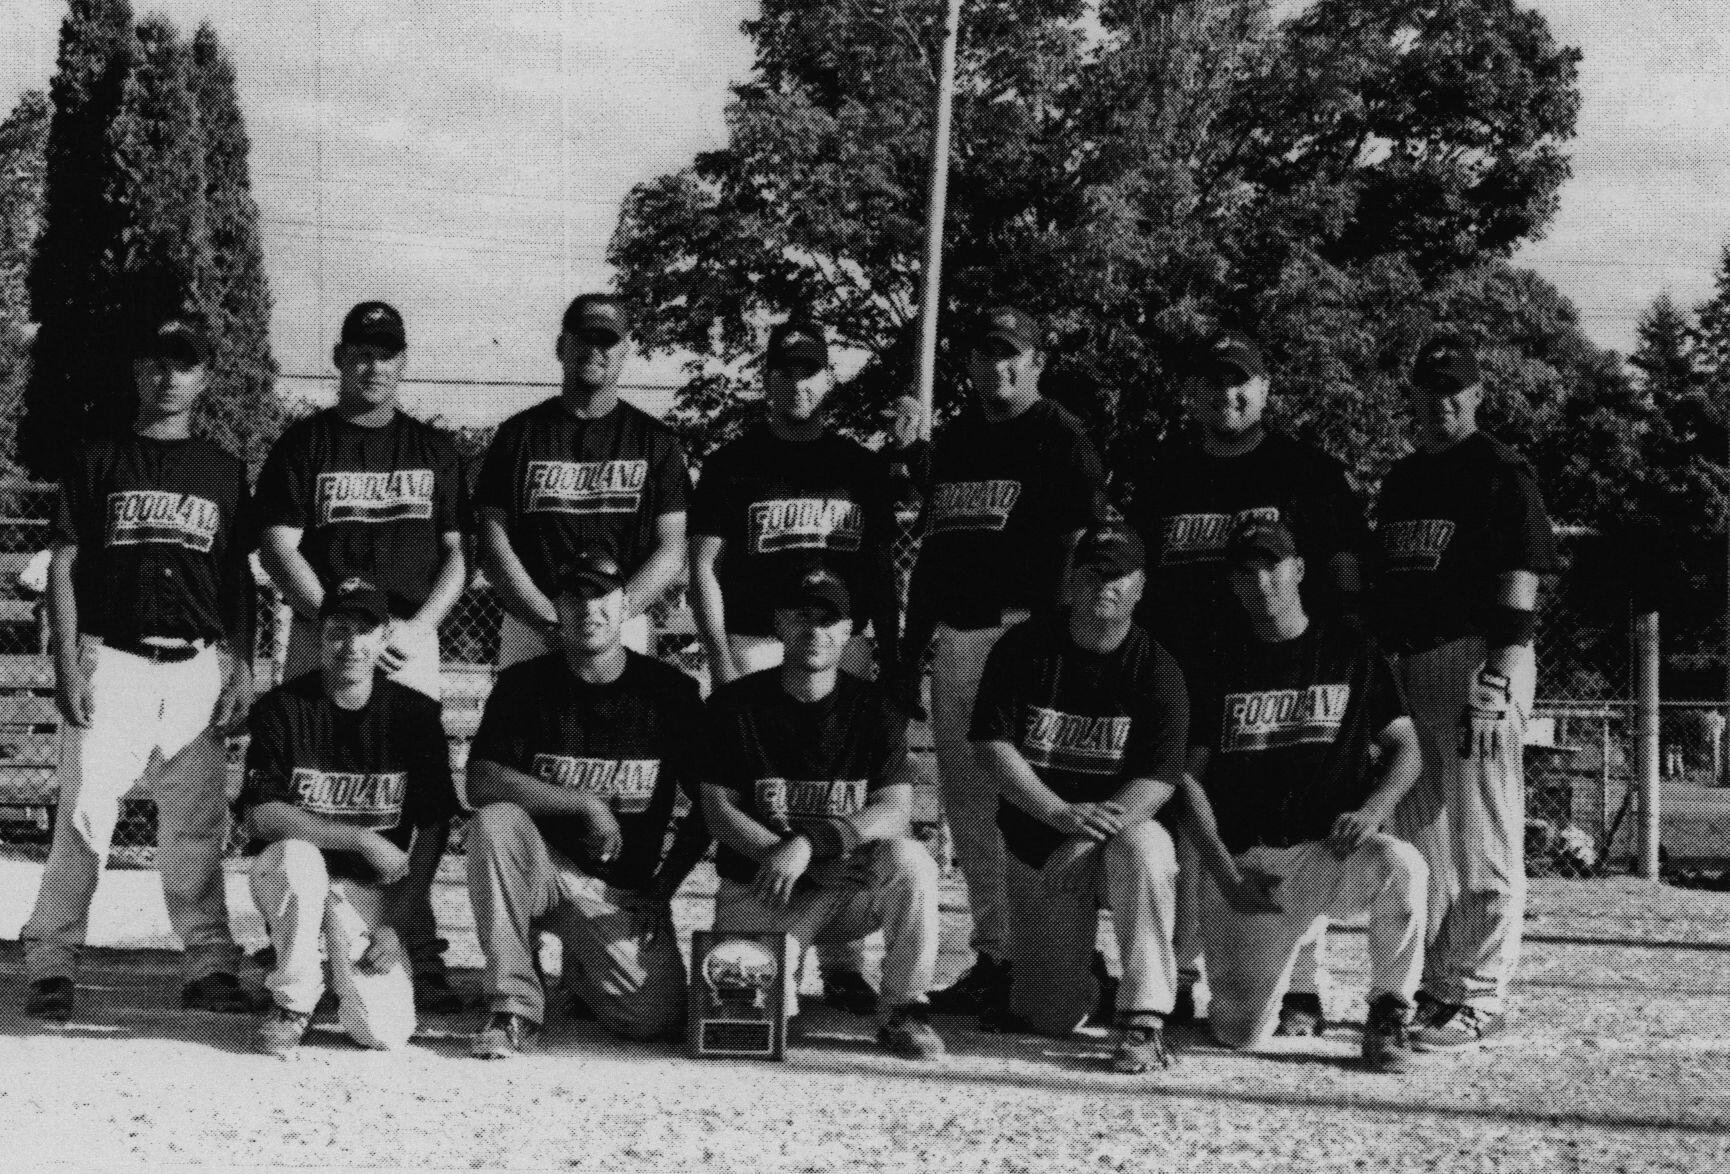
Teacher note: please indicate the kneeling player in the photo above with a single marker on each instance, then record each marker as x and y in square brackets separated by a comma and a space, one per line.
[1289, 807]
[809, 797]
[348, 795]
[574, 773]
[1081, 723]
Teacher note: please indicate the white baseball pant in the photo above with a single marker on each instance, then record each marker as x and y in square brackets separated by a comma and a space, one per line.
[303, 906]
[1468, 817]
[1052, 934]
[1250, 956]
[151, 723]
[889, 885]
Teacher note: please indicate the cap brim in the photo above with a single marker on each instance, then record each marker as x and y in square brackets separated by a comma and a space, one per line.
[591, 587]
[360, 611]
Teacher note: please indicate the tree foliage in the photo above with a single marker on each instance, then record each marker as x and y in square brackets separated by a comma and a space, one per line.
[23, 157]
[1134, 169]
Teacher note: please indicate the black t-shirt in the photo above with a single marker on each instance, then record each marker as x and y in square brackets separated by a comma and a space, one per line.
[372, 502]
[1288, 726]
[1003, 498]
[1448, 525]
[566, 483]
[634, 742]
[775, 501]
[792, 761]
[162, 528]
[1086, 722]
[1187, 503]
[385, 766]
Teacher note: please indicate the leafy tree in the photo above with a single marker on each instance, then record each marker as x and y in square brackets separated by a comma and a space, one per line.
[23, 145]
[240, 409]
[74, 278]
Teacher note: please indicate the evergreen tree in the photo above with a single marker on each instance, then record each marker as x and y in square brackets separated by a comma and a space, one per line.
[74, 281]
[23, 148]
[240, 410]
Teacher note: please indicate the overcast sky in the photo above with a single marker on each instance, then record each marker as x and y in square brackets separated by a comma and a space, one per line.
[466, 160]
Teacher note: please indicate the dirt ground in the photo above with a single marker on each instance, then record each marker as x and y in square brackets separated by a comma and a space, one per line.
[1618, 1063]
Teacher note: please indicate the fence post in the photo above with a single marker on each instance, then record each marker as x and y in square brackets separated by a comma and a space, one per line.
[1645, 640]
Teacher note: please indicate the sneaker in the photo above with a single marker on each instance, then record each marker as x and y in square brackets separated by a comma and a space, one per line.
[280, 1031]
[1387, 1035]
[984, 986]
[434, 995]
[1430, 1010]
[50, 998]
[1300, 1014]
[847, 990]
[1140, 1048]
[1182, 1009]
[1105, 1009]
[504, 1035]
[908, 1033]
[1466, 1027]
[220, 992]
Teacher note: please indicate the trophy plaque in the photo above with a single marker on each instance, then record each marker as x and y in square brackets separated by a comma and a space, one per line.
[738, 996]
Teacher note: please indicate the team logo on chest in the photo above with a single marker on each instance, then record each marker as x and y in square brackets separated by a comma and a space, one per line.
[361, 496]
[973, 505]
[626, 783]
[137, 517]
[355, 797]
[1416, 545]
[804, 523]
[1274, 718]
[1074, 742]
[585, 487]
[1201, 538]
[785, 801]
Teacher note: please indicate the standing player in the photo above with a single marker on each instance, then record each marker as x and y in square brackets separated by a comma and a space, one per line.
[1081, 722]
[574, 772]
[579, 470]
[1014, 482]
[1185, 504]
[780, 495]
[1289, 811]
[365, 490]
[1464, 540]
[149, 575]
[349, 798]
[809, 797]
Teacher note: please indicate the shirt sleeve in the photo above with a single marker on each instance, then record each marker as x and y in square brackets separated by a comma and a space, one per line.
[493, 489]
[672, 479]
[238, 588]
[1080, 484]
[726, 752]
[73, 505]
[284, 489]
[1339, 523]
[1386, 697]
[1524, 539]
[1206, 706]
[996, 705]
[430, 779]
[269, 761]
[451, 509]
[693, 752]
[1159, 735]
[888, 743]
[710, 498]
[502, 736]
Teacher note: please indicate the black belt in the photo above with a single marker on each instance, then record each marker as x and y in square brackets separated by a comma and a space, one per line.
[159, 653]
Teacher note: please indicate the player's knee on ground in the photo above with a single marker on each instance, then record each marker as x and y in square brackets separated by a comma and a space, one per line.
[379, 1010]
[1145, 847]
[653, 1011]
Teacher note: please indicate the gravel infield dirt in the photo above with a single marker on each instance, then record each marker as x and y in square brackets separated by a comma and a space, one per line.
[1620, 1061]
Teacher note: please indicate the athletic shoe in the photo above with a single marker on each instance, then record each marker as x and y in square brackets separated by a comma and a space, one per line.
[220, 992]
[280, 1031]
[847, 990]
[984, 986]
[1140, 1048]
[1387, 1035]
[434, 995]
[1182, 1009]
[1300, 1014]
[504, 1035]
[1105, 1009]
[1466, 1027]
[50, 998]
[1429, 1010]
[908, 1033]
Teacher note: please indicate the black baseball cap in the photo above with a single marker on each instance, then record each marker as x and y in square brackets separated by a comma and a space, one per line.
[374, 324]
[597, 311]
[1225, 352]
[179, 336]
[1113, 549]
[593, 574]
[815, 585]
[798, 342]
[356, 597]
[1014, 326]
[1260, 538]
[1447, 364]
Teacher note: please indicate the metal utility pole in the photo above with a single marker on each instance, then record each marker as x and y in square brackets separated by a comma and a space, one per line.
[1646, 695]
[937, 196]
